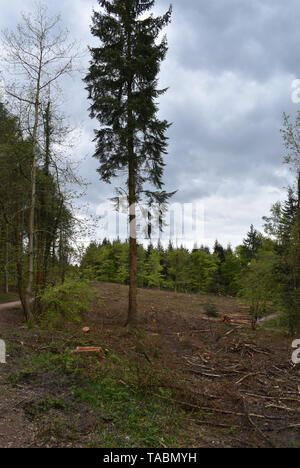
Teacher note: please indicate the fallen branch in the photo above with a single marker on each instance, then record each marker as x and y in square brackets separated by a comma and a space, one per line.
[244, 378]
[292, 426]
[277, 397]
[205, 374]
[256, 428]
[215, 410]
[284, 408]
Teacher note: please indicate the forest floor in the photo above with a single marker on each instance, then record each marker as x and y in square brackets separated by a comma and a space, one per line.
[180, 380]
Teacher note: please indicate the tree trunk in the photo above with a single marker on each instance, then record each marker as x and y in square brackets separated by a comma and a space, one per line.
[44, 244]
[132, 302]
[6, 261]
[19, 254]
[298, 231]
[28, 294]
[132, 306]
[62, 262]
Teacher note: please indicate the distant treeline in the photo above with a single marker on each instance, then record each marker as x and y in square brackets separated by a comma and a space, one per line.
[175, 268]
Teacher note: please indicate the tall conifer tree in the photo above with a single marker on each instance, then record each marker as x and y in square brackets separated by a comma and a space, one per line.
[122, 85]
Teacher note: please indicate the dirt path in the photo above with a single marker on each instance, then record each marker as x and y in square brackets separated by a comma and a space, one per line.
[15, 429]
[9, 305]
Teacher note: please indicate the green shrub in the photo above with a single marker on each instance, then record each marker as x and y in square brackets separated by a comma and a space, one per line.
[211, 309]
[290, 318]
[64, 303]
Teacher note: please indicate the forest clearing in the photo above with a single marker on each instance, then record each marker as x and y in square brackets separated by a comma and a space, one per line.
[181, 379]
[149, 226]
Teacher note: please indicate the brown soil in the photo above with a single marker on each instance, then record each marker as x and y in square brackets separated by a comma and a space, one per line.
[15, 430]
[238, 384]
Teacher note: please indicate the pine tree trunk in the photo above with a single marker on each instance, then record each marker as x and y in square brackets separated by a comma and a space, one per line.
[132, 306]
[132, 302]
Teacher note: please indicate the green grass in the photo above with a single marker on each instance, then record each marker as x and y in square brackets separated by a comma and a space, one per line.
[132, 420]
[61, 363]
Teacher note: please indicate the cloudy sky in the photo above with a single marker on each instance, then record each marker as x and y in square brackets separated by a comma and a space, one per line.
[229, 69]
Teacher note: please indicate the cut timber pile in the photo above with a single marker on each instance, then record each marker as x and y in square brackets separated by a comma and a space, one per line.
[243, 317]
[237, 319]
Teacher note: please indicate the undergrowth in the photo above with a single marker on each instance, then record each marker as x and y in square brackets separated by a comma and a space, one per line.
[64, 303]
[130, 400]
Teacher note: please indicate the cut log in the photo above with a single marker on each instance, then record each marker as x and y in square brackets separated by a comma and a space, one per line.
[88, 349]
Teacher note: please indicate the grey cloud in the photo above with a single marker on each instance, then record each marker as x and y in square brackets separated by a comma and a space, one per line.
[256, 38]
[229, 67]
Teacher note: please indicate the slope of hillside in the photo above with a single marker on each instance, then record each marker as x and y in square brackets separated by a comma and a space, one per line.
[181, 379]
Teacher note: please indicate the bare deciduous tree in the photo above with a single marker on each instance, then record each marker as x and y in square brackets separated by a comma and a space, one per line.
[38, 53]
